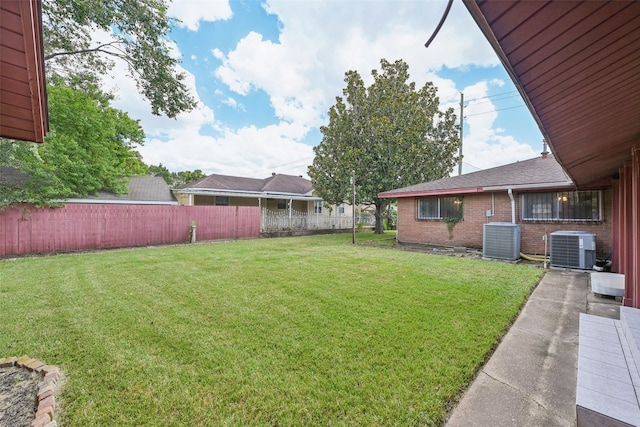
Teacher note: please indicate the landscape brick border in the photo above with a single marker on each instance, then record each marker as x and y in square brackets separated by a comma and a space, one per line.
[44, 416]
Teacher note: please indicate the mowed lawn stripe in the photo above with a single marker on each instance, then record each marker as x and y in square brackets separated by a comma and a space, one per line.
[291, 331]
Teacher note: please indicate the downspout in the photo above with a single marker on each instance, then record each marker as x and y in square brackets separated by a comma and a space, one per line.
[513, 206]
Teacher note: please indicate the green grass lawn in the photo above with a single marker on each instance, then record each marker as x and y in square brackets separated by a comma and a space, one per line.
[290, 331]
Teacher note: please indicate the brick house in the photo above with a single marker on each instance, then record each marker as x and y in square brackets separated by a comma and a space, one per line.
[535, 193]
[576, 65]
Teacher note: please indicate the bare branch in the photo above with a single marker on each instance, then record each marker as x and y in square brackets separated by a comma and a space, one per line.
[96, 49]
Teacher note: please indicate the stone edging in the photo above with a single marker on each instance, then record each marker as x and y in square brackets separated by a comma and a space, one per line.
[44, 390]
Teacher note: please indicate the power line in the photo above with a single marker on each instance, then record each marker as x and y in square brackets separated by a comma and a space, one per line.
[474, 167]
[495, 111]
[496, 99]
[287, 166]
[492, 96]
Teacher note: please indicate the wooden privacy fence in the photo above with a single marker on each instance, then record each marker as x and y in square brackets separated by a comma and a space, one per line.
[27, 230]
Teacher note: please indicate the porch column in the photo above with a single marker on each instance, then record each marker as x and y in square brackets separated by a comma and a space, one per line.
[616, 221]
[634, 238]
[625, 230]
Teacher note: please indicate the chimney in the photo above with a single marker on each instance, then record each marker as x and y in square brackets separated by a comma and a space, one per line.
[545, 152]
[273, 174]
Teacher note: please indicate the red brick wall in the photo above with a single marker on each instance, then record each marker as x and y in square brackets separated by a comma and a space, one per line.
[468, 232]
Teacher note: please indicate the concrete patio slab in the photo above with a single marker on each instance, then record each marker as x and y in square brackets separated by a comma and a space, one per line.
[530, 380]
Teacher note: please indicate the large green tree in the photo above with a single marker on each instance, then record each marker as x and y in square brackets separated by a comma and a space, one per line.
[139, 35]
[91, 147]
[389, 134]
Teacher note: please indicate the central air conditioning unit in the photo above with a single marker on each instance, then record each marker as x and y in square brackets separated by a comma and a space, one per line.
[573, 249]
[501, 240]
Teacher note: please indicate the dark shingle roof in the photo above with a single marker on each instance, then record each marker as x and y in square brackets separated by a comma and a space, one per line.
[226, 182]
[287, 184]
[539, 172]
[141, 189]
[277, 183]
[13, 177]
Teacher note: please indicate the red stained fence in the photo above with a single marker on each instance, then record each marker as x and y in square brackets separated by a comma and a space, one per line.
[28, 230]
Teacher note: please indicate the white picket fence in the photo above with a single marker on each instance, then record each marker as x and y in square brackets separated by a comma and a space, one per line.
[284, 221]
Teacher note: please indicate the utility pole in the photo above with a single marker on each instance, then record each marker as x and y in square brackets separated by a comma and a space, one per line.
[461, 132]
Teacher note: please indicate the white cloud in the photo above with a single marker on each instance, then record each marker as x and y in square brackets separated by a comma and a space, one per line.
[229, 101]
[191, 12]
[217, 53]
[302, 72]
[250, 151]
[484, 145]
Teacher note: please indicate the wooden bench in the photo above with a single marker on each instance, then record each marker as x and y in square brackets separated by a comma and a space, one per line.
[608, 386]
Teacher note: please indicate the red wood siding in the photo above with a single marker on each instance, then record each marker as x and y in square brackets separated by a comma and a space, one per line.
[85, 226]
[627, 227]
[468, 232]
[23, 101]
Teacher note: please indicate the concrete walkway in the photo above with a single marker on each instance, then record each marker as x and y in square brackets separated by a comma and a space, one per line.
[531, 378]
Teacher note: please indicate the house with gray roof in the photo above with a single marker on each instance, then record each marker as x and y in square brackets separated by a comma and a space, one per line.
[143, 190]
[277, 192]
[537, 194]
[287, 202]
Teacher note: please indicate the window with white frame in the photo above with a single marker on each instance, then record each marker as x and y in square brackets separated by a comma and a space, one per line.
[282, 204]
[439, 207]
[317, 207]
[563, 206]
[341, 208]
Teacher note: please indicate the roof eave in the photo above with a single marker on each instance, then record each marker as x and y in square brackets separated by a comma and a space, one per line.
[545, 185]
[117, 202]
[478, 16]
[245, 194]
[475, 190]
[423, 193]
[484, 26]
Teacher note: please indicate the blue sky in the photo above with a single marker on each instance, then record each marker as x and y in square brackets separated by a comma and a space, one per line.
[266, 72]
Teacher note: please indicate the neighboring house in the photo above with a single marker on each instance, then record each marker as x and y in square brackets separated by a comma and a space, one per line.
[23, 96]
[286, 201]
[576, 66]
[278, 192]
[535, 193]
[143, 190]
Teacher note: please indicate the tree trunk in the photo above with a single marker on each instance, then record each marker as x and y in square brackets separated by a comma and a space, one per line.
[379, 216]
